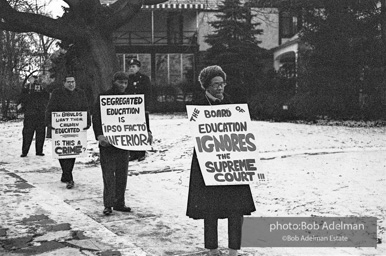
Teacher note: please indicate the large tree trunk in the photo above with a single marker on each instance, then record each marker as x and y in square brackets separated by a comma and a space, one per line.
[383, 21]
[103, 54]
[89, 26]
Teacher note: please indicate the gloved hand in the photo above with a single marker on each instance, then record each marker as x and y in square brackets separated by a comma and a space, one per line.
[103, 141]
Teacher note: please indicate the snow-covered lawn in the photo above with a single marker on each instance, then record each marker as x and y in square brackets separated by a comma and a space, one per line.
[313, 170]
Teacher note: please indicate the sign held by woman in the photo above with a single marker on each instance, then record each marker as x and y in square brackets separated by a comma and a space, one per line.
[225, 146]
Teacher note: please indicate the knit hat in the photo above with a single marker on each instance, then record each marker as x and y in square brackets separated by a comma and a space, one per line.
[207, 74]
[135, 62]
[120, 75]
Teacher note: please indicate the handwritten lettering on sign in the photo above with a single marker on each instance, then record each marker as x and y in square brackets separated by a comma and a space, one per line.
[225, 147]
[69, 140]
[123, 121]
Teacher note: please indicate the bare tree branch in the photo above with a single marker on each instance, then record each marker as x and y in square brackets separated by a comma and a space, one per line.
[89, 7]
[72, 3]
[124, 11]
[84, 7]
[29, 22]
[8, 27]
[383, 21]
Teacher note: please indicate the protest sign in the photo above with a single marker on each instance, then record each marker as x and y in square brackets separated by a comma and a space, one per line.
[124, 122]
[69, 140]
[225, 146]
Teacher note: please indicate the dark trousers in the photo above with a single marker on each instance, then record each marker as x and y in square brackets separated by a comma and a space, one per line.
[137, 154]
[67, 165]
[31, 125]
[235, 224]
[114, 164]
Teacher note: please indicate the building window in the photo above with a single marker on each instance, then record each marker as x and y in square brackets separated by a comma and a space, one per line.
[120, 59]
[175, 22]
[161, 71]
[173, 69]
[145, 59]
[288, 24]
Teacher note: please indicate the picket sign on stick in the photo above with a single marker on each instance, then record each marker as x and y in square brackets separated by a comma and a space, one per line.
[69, 140]
[124, 122]
[225, 146]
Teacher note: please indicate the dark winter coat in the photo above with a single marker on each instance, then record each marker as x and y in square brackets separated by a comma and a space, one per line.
[139, 84]
[33, 102]
[66, 100]
[216, 201]
[96, 112]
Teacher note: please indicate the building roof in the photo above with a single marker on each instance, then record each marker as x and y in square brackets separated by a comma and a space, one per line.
[179, 4]
[294, 40]
[212, 4]
[285, 3]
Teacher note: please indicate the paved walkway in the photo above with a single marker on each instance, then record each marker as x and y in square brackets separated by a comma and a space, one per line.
[41, 217]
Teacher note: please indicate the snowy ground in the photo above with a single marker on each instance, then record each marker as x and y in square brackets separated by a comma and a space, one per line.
[313, 170]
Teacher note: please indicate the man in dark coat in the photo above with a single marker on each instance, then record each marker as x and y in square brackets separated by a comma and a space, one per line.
[216, 202]
[114, 161]
[33, 99]
[138, 84]
[67, 98]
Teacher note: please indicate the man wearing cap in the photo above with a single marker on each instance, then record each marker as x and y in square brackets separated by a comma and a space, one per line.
[33, 99]
[138, 84]
[114, 161]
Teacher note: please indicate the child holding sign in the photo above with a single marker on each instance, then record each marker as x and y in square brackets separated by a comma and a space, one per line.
[217, 202]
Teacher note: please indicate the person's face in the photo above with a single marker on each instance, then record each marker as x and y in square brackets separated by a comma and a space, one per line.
[121, 85]
[133, 69]
[216, 87]
[69, 83]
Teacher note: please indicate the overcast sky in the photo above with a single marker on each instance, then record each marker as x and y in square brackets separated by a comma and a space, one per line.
[55, 7]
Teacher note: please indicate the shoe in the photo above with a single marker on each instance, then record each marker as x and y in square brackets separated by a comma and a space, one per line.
[40, 154]
[107, 211]
[70, 185]
[122, 208]
[23, 155]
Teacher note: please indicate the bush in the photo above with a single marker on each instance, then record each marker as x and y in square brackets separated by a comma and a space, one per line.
[268, 105]
[170, 99]
[306, 106]
[338, 106]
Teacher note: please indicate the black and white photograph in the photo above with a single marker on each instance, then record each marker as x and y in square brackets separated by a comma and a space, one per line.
[192, 127]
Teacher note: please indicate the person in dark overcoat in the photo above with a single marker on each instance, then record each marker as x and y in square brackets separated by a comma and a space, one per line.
[138, 84]
[67, 98]
[114, 161]
[217, 202]
[33, 99]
